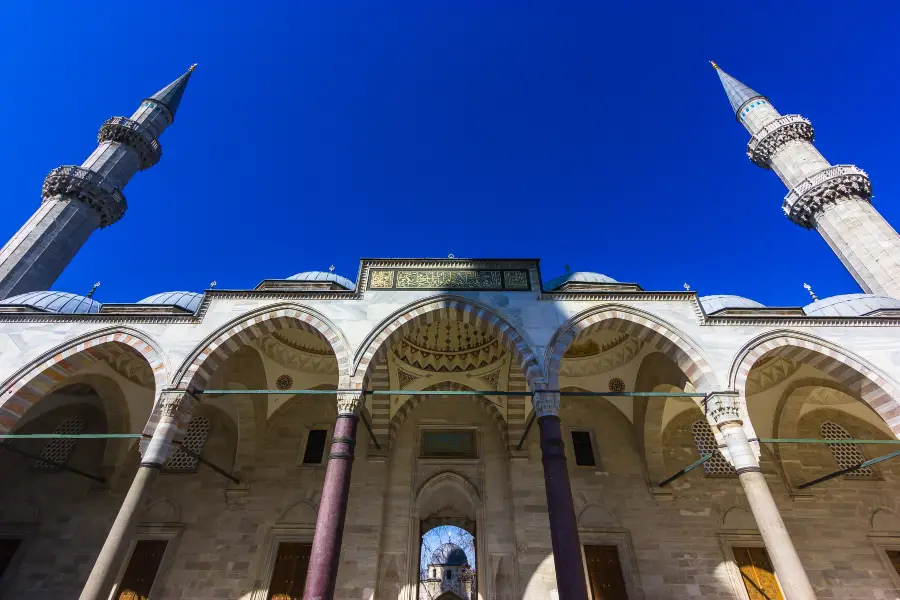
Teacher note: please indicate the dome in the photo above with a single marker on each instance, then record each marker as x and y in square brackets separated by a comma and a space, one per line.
[189, 301]
[712, 304]
[324, 276]
[850, 305]
[57, 302]
[449, 555]
[578, 277]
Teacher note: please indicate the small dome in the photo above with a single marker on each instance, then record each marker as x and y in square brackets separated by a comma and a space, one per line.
[712, 304]
[189, 301]
[578, 277]
[324, 276]
[57, 302]
[449, 555]
[850, 305]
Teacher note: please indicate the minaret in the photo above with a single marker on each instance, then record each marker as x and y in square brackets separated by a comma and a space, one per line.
[835, 200]
[78, 200]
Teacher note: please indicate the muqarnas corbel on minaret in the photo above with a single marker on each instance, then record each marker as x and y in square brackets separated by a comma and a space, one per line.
[79, 199]
[835, 200]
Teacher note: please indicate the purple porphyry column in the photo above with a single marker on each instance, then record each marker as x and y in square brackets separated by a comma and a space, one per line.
[326, 547]
[570, 579]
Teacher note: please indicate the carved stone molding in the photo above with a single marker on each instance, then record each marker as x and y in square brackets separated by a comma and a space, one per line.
[610, 358]
[349, 403]
[811, 195]
[89, 187]
[545, 403]
[769, 372]
[175, 403]
[135, 136]
[723, 407]
[765, 144]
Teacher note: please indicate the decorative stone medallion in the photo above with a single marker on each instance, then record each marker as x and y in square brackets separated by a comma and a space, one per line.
[616, 384]
[284, 382]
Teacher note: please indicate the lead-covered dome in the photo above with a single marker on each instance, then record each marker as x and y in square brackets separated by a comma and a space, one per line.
[712, 304]
[56, 302]
[850, 305]
[449, 555]
[324, 276]
[189, 301]
[578, 277]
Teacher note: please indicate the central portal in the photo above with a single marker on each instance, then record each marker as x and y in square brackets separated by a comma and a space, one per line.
[447, 564]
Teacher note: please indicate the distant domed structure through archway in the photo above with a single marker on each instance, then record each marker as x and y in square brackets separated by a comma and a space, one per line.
[446, 567]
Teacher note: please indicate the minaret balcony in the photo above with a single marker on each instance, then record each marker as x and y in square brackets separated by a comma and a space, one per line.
[89, 187]
[134, 135]
[811, 195]
[774, 135]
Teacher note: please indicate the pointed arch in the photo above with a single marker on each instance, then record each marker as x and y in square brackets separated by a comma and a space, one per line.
[431, 309]
[849, 370]
[42, 375]
[196, 371]
[666, 338]
[408, 406]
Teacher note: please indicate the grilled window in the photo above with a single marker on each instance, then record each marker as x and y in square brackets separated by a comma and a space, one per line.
[60, 450]
[449, 444]
[705, 441]
[194, 440]
[845, 455]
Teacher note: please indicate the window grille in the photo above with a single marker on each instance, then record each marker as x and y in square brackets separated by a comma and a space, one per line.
[59, 451]
[845, 455]
[194, 440]
[706, 443]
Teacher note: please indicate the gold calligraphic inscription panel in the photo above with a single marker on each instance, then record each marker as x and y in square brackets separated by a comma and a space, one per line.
[449, 279]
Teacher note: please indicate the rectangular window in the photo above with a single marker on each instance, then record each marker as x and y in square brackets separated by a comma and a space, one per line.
[894, 556]
[141, 571]
[315, 446]
[449, 444]
[8, 547]
[289, 574]
[757, 573]
[605, 573]
[583, 449]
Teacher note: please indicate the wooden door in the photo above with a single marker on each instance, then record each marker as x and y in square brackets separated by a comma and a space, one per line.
[141, 570]
[757, 573]
[605, 573]
[289, 574]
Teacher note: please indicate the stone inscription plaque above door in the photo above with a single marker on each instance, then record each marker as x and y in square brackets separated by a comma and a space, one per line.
[449, 279]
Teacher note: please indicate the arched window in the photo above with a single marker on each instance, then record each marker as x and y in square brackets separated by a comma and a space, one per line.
[845, 455]
[194, 440]
[703, 436]
[60, 450]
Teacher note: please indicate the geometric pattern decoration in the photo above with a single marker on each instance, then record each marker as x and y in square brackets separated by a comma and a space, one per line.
[616, 384]
[610, 356]
[59, 451]
[648, 331]
[845, 455]
[48, 371]
[769, 372]
[448, 346]
[872, 388]
[284, 382]
[706, 443]
[300, 360]
[194, 440]
[404, 378]
[431, 311]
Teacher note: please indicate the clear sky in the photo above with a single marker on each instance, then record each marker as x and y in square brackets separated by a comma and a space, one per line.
[582, 133]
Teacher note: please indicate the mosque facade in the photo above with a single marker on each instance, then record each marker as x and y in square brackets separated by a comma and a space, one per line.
[598, 440]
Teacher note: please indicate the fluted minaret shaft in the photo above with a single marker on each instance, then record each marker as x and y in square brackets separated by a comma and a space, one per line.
[79, 199]
[833, 200]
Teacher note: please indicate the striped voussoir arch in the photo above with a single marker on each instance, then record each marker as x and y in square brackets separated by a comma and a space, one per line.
[408, 406]
[649, 331]
[49, 372]
[516, 407]
[426, 314]
[216, 352]
[379, 379]
[862, 380]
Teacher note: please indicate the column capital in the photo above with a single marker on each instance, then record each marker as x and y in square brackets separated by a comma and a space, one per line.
[723, 407]
[176, 404]
[546, 403]
[350, 403]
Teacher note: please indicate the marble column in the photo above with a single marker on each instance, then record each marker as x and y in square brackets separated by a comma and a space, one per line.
[173, 411]
[326, 547]
[724, 413]
[570, 578]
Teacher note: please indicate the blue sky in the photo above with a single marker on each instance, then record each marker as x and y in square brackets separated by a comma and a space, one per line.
[582, 133]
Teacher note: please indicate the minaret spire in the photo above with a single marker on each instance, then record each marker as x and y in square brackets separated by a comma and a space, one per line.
[836, 200]
[79, 199]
